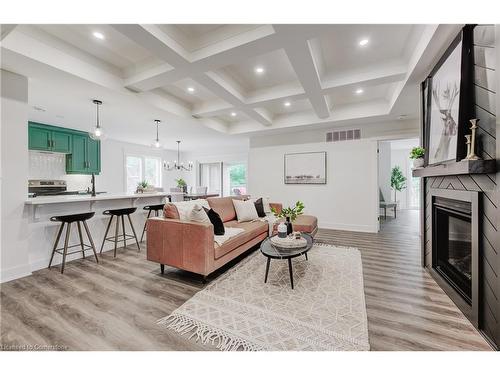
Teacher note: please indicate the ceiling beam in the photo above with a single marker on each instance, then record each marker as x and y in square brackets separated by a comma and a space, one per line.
[249, 44]
[299, 53]
[158, 43]
[6, 30]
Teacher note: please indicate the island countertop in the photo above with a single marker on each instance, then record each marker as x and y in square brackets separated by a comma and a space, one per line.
[88, 198]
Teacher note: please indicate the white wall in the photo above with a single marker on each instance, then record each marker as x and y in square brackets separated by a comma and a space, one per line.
[348, 201]
[384, 170]
[14, 171]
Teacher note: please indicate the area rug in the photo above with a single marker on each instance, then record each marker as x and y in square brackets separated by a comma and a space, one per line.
[238, 311]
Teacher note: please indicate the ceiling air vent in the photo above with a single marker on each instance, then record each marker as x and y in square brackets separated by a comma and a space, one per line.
[343, 135]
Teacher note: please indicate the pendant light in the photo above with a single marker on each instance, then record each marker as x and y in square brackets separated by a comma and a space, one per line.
[156, 143]
[97, 133]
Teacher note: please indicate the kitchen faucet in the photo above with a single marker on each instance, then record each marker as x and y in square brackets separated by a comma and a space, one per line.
[92, 181]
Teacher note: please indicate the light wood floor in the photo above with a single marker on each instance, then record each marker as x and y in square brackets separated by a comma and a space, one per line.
[114, 305]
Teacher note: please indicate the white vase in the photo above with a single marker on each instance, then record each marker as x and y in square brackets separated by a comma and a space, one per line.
[282, 230]
[418, 163]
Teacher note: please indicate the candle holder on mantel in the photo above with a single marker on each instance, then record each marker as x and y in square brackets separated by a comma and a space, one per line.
[471, 141]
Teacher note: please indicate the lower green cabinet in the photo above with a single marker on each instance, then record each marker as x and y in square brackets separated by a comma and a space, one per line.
[83, 154]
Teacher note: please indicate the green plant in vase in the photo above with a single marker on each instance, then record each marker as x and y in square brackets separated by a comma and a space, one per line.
[181, 184]
[290, 214]
[141, 186]
[398, 180]
[417, 154]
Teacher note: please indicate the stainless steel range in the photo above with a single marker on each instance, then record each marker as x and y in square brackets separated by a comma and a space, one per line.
[46, 187]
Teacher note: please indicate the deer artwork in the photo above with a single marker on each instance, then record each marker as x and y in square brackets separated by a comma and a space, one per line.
[449, 125]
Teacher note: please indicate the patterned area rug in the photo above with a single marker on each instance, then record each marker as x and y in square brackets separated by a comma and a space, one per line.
[325, 311]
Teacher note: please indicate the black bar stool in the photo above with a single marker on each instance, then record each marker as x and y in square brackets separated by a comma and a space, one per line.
[69, 219]
[151, 208]
[120, 213]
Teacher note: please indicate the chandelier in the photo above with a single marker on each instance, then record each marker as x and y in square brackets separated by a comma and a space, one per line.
[177, 164]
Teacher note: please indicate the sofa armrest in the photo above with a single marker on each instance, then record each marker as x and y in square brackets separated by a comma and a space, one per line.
[182, 244]
[277, 206]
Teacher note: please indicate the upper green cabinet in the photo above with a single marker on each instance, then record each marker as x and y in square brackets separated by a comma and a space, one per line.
[83, 154]
[86, 155]
[47, 138]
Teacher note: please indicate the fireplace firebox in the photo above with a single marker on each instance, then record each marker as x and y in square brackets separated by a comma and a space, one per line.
[455, 245]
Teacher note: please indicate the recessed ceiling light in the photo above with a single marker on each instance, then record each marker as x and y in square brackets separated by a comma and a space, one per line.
[98, 35]
[363, 42]
[259, 70]
[190, 89]
[359, 91]
[287, 104]
[233, 114]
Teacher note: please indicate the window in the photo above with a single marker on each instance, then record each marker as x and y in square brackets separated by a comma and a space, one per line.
[237, 179]
[210, 176]
[140, 168]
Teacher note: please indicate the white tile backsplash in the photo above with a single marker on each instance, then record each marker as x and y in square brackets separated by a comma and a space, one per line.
[50, 166]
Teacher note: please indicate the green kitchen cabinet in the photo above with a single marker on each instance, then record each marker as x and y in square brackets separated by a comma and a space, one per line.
[39, 138]
[61, 142]
[93, 156]
[43, 137]
[85, 157]
[83, 154]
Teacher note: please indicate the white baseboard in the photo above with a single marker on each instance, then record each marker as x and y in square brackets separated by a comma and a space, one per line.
[349, 227]
[15, 273]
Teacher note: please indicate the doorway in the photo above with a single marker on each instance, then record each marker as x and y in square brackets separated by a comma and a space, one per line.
[399, 202]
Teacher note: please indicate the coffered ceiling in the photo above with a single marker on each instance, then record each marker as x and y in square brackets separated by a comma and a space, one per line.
[246, 79]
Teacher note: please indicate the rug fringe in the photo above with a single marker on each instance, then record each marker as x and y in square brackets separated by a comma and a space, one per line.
[183, 324]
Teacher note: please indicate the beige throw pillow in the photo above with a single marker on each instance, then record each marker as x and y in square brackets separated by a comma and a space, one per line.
[198, 214]
[245, 210]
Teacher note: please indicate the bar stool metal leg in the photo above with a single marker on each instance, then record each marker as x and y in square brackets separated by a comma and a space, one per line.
[123, 231]
[144, 229]
[116, 234]
[90, 239]
[133, 231]
[66, 241]
[58, 237]
[106, 234]
[81, 238]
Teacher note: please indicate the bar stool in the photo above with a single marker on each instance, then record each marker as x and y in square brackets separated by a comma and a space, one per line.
[151, 208]
[120, 213]
[69, 219]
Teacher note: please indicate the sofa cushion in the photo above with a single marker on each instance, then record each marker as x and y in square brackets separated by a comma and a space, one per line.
[170, 211]
[252, 230]
[303, 223]
[224, 207]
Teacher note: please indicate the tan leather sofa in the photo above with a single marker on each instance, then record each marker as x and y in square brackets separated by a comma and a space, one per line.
[190, 245]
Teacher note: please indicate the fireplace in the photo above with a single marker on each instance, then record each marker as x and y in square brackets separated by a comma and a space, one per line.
[455, 245]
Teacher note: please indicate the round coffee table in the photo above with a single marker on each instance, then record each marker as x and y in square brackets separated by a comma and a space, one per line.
[273, 252]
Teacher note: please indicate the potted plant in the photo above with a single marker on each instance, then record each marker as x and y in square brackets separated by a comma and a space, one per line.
[290, 214]
[417, 154]
[181, 184]
[398, 180]
[142, 186]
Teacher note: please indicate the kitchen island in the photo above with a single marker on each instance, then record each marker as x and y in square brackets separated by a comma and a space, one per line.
[42, 232]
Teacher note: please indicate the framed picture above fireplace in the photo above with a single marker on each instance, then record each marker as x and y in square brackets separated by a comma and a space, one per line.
[448, 104]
